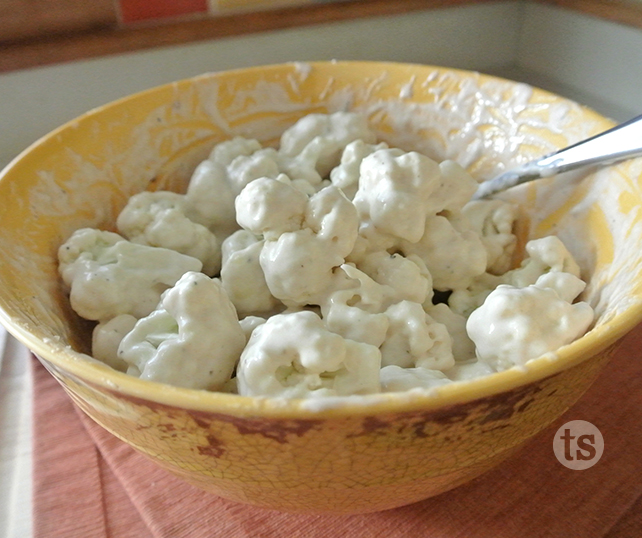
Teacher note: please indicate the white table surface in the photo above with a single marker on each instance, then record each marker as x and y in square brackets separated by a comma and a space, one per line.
[16, 391]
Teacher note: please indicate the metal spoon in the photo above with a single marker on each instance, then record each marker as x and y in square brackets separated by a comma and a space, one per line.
[622, 142]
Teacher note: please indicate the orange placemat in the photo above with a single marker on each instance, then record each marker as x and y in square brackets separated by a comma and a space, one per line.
[89, 484]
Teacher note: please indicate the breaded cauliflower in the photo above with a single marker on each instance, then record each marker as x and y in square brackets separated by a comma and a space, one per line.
[295, 356]
[193, 339]
[108, 275]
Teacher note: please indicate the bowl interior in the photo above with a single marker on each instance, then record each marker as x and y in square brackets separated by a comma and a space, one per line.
[82, 174]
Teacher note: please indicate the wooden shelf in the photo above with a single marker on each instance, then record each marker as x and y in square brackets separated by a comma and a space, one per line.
[98, 33]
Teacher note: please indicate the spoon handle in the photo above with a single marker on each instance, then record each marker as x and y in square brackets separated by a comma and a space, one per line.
[622, 142]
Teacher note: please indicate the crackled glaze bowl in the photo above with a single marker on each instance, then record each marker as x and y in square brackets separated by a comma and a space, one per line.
[359, 455]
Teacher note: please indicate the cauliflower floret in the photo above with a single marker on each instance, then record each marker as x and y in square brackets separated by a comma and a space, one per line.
[515, 325]
[394, 191]
[249, 323]
[455, 188]
[242, 275]
[225, 152]
[270, 207]
[356, 306]
[414, 339]
[567, 286]
[465, 371]
[109, 275]
[370, 240]
[412, 198]
[453, 253]
[298, 265]
[493, 220]
[192, 340]
[464, 300]
[312, 147]
[106, 338]
[333, 219]
[295, 356]
[408, 277]
[354, 309]
[462, 346]
[396, 379]
[158, 219]
[245, 169]
[219, 179]
[346, 174]
[545, 255]
[399, 190]
[210, 199]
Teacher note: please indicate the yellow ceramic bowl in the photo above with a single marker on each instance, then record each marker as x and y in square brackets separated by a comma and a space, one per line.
[371, 453]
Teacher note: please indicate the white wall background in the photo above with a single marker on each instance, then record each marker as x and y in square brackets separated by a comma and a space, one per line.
[593, 61]
[596, 62]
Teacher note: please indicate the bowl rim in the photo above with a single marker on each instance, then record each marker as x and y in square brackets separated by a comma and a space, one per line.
[89, 371]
